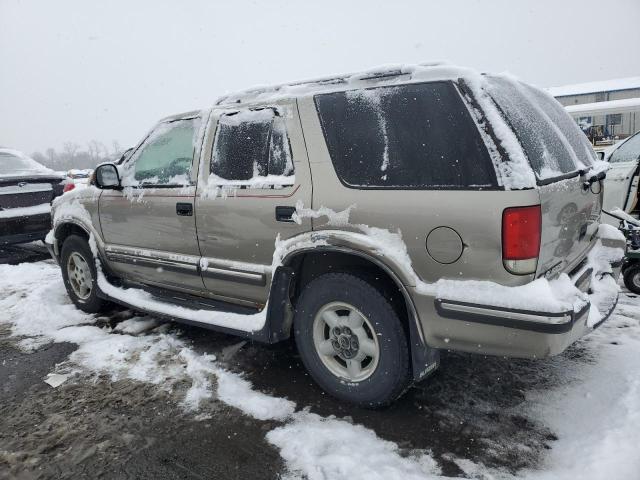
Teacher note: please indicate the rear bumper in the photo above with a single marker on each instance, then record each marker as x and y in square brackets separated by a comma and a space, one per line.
[24, 229]
[493, 330]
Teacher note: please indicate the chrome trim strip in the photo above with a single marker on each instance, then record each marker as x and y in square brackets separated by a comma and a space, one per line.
[234, 273]
[527, 317]
[151, 262]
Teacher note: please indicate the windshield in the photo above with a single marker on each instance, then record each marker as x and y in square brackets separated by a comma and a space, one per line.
[554, 145]
[13, 164]
[629, 151]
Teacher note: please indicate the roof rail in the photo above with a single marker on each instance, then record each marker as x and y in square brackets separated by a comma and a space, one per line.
[373, 74]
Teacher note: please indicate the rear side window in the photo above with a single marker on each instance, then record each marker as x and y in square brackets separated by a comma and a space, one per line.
[251, 144]
[413, 136]
[629, 151]
[539, 128]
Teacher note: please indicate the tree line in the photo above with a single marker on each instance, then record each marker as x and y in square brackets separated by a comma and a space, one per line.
[73, 155]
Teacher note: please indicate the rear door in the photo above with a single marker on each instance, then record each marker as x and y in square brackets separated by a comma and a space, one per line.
[621, 184]
[561, 157]
[253, 172]
[149, 227]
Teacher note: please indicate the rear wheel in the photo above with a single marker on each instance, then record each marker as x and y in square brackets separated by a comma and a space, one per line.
[79, 275]
[351, 340]
[632, 278]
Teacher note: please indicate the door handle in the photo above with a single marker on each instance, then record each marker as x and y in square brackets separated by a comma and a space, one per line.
[284, 214]
[184, 209]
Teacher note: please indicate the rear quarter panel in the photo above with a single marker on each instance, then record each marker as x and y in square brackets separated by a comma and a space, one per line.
[475, 215]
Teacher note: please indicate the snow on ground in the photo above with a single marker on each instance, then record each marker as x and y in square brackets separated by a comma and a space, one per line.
[594, 411]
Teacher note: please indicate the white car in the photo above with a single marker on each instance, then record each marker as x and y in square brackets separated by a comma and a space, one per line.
[77, 178]
[621, 183]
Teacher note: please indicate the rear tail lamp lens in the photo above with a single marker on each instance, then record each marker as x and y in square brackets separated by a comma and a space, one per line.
[521, 231]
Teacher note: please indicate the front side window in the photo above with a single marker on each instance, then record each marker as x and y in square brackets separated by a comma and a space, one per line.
[414, 136]
[252, 146]
[166, 156]
[629, 151]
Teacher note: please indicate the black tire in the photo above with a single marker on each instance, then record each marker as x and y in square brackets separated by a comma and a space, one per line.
[631, 278]
[392, 374]
[92, 303]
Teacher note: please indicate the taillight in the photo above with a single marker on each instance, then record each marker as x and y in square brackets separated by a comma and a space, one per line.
[521, 230]
[68, 187]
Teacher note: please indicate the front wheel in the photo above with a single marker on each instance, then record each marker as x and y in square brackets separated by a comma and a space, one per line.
[631, 278]
[79, 275]
[351, 340]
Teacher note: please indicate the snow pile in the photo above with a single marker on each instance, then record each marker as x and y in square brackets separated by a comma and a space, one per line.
[136, 297]
[328, 448]
[25, 211]
[597, 416]
[39, 311]
[559, 295]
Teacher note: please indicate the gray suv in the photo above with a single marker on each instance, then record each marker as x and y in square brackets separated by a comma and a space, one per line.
[378, 218]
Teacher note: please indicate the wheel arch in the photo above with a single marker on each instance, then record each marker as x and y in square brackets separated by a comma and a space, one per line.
[305, 264]
[68, 227]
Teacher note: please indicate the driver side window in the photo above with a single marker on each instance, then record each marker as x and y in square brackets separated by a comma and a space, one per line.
[165, 157]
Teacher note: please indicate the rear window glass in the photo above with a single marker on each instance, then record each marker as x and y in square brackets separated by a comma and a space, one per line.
[629, 151]
[11, 164]
[410, 136]
[539, 128]
[567, 126]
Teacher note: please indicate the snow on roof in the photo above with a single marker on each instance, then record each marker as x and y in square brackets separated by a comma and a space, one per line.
[593, 87]
[612, 106]
[380, 75]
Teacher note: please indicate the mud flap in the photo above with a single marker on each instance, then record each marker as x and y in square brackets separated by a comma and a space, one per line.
[424, 359]
[279, 308]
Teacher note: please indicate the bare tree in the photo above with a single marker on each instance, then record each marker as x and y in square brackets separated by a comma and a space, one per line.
[51, 155]
[96, 150]
[70, 149]
[115, 146]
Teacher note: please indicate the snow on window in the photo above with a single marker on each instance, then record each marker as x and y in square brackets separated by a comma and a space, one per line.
[418, 135]
[537, 125]
[13, 162]
[165, 157]
[251, 149]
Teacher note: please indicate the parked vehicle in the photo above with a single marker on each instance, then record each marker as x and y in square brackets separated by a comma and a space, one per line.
[630, 228]
[77, 178]
[621, 184]
[377, 217]
[26, 191]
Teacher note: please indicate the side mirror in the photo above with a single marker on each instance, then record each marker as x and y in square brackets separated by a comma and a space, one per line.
[107, 177]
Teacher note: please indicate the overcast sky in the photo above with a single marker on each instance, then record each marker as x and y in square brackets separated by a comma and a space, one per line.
[82, 70]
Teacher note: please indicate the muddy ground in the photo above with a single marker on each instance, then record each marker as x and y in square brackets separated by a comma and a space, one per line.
[98, 428]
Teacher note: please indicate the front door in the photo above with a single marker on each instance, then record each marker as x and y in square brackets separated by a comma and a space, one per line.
[253, 172]
[621, 183]
[149, 227]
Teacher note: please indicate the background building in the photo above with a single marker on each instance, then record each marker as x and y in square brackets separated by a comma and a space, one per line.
[605, 109]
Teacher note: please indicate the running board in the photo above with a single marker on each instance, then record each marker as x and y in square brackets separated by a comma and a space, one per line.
[279, 315]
